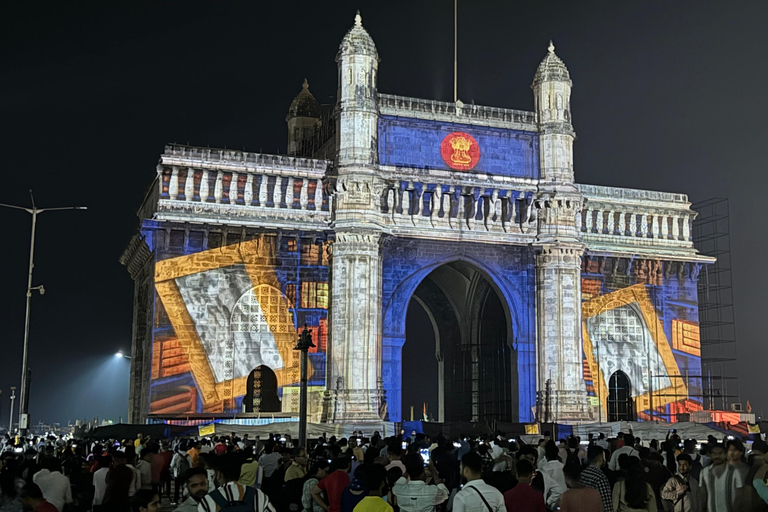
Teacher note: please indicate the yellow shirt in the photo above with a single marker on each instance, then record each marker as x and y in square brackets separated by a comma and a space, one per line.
[294, 471]
[373, 504]
[248, 473]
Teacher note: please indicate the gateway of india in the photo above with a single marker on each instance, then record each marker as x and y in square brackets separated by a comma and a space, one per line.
[395, 224]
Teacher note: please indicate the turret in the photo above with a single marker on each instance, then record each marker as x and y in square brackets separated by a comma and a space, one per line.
[303, 120]
[552, 97]
[357, 113]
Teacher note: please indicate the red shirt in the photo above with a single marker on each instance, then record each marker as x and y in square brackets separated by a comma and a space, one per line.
[524, 498]
[333, 486]
[44, 506]
[582, 499]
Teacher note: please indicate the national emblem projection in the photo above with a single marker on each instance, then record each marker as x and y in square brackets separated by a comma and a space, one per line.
[642, 354]
[227, 320]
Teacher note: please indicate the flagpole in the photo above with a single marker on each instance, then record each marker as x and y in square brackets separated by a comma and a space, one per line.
[455, 50]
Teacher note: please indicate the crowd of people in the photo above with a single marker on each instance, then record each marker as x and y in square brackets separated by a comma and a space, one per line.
[374, 474]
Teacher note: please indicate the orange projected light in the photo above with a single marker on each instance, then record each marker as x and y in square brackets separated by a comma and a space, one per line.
[460, 151]
[229, 316]
[637, 298]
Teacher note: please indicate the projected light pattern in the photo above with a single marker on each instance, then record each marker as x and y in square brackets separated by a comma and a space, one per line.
[641, 318]
[227, 314]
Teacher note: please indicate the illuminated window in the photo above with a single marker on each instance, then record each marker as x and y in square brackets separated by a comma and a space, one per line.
[310, 253]
[314, 295]
[293, 245]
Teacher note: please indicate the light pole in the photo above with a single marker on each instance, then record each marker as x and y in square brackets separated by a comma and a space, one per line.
[34, 211]
[120, 354]
[13, 397]
[304, 344]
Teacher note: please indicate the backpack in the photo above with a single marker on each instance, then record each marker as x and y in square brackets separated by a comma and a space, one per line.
[246, 505]
[183, 465]
[572, 460]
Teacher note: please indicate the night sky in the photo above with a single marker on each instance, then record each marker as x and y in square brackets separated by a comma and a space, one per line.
[667, 96]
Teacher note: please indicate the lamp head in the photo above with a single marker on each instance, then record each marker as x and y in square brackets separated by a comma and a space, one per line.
[119, 354]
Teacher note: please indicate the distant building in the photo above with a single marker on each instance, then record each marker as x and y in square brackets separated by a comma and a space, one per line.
[546, 299]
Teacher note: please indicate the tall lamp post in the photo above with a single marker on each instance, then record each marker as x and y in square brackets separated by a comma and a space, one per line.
[304, 344]
[34, 211]
[13, 397]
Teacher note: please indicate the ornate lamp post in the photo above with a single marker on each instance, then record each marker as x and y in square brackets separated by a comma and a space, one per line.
[304, 344]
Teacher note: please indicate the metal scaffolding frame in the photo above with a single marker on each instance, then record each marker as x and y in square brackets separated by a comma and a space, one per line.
[717, 322]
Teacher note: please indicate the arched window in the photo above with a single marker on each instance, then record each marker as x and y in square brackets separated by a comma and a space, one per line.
[620, 405]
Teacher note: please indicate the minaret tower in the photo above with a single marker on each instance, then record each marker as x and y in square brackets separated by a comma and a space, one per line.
[355, 391]
[558, 250]
[303, 120]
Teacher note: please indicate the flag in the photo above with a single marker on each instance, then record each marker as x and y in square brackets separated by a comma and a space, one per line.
[749, 407]
[754, 429]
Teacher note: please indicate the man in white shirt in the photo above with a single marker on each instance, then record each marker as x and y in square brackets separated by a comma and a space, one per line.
[55, 486]
[628, 448]
[100, 480]
[413, 494]
[476, 495]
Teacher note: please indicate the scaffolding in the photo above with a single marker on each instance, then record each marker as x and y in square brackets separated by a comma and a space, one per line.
[711, 236]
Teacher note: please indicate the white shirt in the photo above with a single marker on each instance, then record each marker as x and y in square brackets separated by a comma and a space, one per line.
[100, 485]
[55, 487]
[614, 464]
[468, 500]
[554, 481]
[417, 496]
[269, 462]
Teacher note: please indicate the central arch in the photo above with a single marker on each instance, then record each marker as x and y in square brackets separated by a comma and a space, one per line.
[620, 405]
[458, 357]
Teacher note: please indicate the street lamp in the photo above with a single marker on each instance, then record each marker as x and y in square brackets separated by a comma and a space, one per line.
[13, 396]
[34, 211]
[304, 344]
[120, 354]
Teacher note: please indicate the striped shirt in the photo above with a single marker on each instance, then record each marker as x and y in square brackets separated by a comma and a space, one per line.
[233, 491]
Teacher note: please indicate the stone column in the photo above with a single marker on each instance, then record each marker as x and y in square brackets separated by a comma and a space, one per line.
[558, 289]
[354, 384]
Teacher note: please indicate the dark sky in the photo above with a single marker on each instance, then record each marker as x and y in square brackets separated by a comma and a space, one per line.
[667, 96]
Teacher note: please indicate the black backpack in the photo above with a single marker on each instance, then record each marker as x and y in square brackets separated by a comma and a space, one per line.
[246, 505]
[572, 461]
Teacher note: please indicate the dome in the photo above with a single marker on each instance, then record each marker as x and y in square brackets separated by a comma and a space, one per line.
[304, 104]
[551, 68]
[357, 41]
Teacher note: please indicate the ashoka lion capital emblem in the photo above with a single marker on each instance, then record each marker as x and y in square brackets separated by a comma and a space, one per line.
[460, 151]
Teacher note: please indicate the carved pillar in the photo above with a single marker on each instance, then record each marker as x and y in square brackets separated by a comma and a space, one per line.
[173, 186]
[558, 293]
[355, 391]
[189, 184]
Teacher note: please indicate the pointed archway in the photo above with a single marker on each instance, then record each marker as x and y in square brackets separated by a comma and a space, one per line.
[458, 356]
[620, 403]
[261, 391]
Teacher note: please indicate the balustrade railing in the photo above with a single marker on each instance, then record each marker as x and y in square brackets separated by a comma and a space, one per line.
[417, 204]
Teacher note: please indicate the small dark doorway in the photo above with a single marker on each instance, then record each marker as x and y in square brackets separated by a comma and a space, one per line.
[620, 398]
[261, 391]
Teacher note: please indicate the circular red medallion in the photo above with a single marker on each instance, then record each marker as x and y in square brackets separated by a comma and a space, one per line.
[460, 151]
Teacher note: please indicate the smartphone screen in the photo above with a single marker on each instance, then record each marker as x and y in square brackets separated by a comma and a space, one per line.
[404, 445]
[425, 455]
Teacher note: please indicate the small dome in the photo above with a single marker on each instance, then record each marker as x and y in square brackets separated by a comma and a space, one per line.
[551, 68]
[357, 41]
[304, 104]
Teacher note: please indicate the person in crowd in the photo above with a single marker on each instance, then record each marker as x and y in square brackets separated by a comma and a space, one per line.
[55, 486]
[180, 464]
[523, 497]
[145, 500]
[632, 493]
[476, 495]
[627, 447]
[298, 467]
[269, 463]
[121, 484]
[394, 453]
[196, 481]
[355, 491]
[327, 493]
[9, 490]
[230, 491]
[554, 480]
[593, 476]
[747, 498]
[759, 483]
[100, 481]
[316, 473]
[194, 453]
[735, 455]
[697, 460]
[578, 497]
[413, 494]
[719, 482]
[144, 467]
[680, 491]
[250, 473]
[375, 480]
[33, 499]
